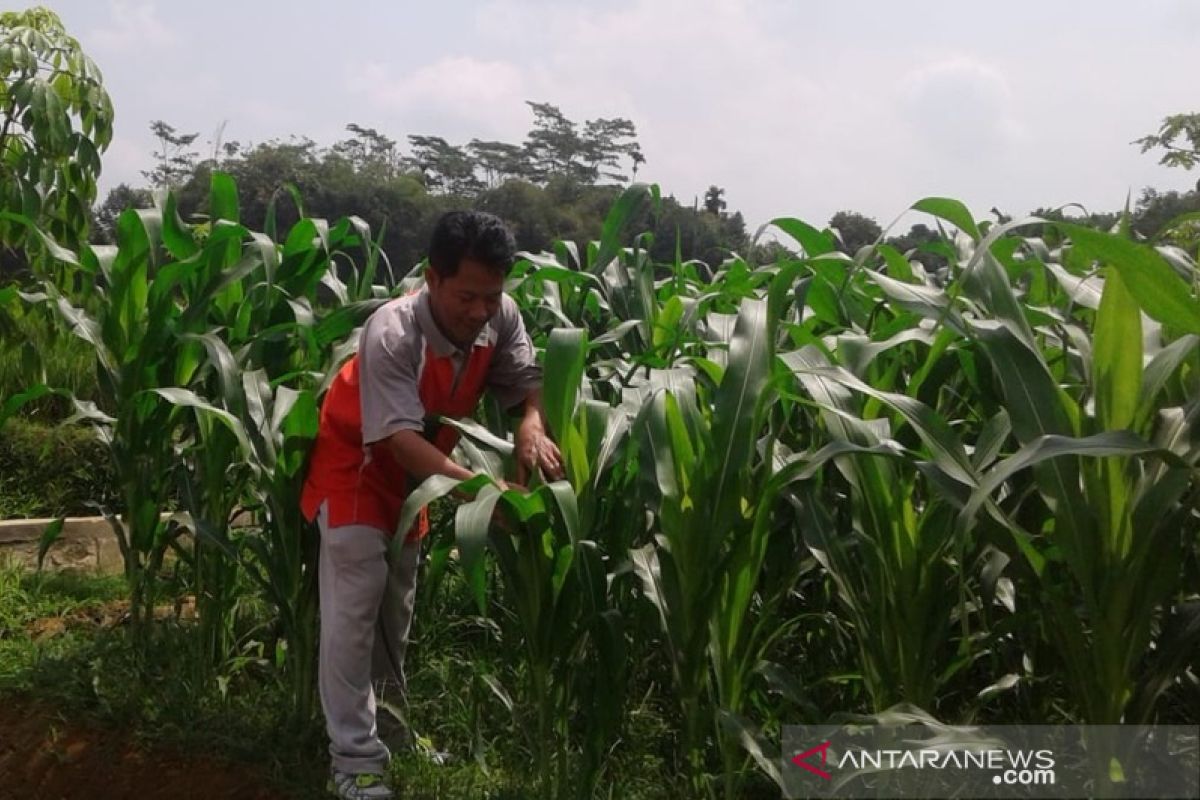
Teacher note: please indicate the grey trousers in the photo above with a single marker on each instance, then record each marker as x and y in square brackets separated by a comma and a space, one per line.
[366, 612]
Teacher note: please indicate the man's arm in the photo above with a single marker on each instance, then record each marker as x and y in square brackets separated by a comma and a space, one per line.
[534, 447]
[515, 378]
[392, 412]
[420, 459]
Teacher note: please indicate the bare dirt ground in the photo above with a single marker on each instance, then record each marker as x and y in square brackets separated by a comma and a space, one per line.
[44, 756]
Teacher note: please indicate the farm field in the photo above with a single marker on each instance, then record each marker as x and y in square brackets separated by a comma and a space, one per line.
[814, 474]
[960, 480]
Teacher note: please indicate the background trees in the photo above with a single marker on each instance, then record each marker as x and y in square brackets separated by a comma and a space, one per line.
[558, 183]
[57, 120]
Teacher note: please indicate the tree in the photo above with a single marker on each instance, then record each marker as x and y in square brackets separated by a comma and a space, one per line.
[119, 198]
[401, 195]
[1155, 210]
[714, 200]
[1179, 136]
[604, 142]
[175, 163]
[1100, 220]
[57, 120]
[922, 244]
[555, 147]
[856, 231]
[534, 219]
[770, 252]
[445, 167]
[499, 161]
[370, 150]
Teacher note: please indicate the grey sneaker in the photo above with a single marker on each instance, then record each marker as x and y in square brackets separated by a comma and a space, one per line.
[363, 786]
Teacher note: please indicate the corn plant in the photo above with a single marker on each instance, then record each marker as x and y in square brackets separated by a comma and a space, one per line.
[555, 578]
[895, 551]
[134, 334]
[1112, 458]
[879, 522]
[267, 325]
[556, 585]
[712, 495]
[183, 315]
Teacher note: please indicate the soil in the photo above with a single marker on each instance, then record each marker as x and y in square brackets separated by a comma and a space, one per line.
[46, 757]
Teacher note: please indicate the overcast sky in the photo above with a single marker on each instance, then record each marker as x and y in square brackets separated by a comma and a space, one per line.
[795, 108]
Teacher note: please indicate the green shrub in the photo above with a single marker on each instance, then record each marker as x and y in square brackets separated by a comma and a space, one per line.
[49, 471]
[32, 351]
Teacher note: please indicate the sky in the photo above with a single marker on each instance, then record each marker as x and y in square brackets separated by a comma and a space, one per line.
[797, 109]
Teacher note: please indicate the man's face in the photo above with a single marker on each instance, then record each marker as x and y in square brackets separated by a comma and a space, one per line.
[463, 303]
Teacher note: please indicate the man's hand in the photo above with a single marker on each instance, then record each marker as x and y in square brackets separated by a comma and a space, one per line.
[536, 450]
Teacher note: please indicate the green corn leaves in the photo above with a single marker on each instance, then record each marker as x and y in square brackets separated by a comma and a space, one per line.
[819, 486]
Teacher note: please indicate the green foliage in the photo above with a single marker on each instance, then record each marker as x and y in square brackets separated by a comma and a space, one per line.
[211, 343]
[1168, 217]
[1179, 137]
[443, 167]
[556, 147]
[119, 198]
[828, 483]
[174, 162]
[57, 120]
[855, 230]
[52, 471]
[32, 352]
[557, 185]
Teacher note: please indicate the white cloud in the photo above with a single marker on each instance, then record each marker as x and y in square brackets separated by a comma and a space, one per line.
[795, 109]
[961, 108]
[716, 94]
[451, 95]
[133, 25]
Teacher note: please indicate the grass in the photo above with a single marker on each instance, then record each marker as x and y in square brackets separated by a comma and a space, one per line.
[53, 470]
[88, 668]
[27, 598]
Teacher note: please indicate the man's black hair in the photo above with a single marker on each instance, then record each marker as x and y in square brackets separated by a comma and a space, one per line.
[476, 235]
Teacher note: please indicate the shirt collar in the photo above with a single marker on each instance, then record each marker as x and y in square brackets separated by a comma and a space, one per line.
[442, 346]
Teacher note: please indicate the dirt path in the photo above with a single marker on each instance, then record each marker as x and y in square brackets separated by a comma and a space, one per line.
[45, 757]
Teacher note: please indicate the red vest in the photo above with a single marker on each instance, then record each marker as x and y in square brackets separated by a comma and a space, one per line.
[365, 485]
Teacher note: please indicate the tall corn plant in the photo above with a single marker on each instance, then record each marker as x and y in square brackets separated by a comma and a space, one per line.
[278, 325]
[709, 479]
[555, 583]
[638, 314]
[183, 311]
[882, 520]
[556, 579]
[891, 544]
[1107, 517]
[134, 332]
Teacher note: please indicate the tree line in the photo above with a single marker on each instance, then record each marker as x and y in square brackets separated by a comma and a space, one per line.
[557, 183]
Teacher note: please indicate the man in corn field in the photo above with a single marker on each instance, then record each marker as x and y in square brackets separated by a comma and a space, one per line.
[429, 354]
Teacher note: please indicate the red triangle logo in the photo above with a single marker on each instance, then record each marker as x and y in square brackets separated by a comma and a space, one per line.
[801, 760]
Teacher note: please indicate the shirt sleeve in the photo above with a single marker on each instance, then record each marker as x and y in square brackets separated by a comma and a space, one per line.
[514, 370]
[389, 366]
